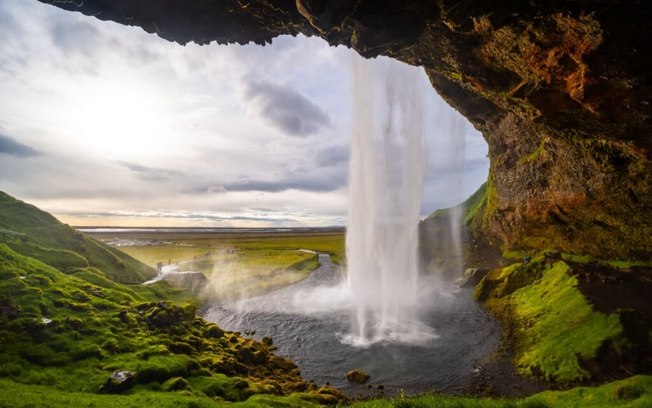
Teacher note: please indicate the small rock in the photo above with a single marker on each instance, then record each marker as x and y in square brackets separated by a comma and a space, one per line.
[357, 376]
[118, 381]
[283, 363]
[327, 389]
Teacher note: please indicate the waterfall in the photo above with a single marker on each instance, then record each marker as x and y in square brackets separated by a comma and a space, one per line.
[386, 177]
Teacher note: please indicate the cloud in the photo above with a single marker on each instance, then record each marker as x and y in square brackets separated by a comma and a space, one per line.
[326, 185]
[75, 37]
[15, 148]
[284, 108]
[149, 173]
[332, 156]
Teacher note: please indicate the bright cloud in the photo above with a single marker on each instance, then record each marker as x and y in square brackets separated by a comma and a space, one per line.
[102, 123]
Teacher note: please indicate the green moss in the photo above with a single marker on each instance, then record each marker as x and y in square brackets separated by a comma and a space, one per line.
[59, 245]
[491, 205]
[634, 392]
[16, 395]
[555, 325]
[538, 153]
[474, 203]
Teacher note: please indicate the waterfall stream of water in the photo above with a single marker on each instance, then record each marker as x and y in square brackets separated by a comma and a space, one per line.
[387, 171]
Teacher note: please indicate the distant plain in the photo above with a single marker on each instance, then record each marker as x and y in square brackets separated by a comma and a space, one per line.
[236, 262]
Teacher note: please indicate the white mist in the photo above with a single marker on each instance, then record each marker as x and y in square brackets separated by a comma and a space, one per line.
[387, 171]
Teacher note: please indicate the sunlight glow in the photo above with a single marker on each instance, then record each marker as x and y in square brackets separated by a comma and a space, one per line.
[118, 119]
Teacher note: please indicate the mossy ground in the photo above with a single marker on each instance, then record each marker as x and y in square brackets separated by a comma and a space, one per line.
[557, 331]
[66, 325]
[68, 332]
[16, 395]
[634, 392]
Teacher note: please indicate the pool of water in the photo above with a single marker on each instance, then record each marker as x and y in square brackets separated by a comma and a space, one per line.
[309, 323]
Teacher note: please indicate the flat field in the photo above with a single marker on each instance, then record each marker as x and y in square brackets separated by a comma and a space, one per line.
[236, 263]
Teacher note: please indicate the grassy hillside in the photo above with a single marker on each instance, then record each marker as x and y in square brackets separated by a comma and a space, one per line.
[71, 331]
[60, 246]
[437, 249]
[68, 326]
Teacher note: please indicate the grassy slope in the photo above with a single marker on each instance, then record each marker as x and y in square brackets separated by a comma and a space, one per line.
[553, 324]
[66, 324]
[69, 332]
[59, 245]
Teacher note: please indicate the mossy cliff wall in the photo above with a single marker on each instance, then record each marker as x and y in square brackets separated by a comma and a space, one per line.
[561, 90]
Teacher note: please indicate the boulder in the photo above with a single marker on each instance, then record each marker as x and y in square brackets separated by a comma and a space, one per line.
[358, 376]
[118, 382]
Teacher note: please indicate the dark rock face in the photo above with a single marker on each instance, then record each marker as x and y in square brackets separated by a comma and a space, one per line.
[561, 90]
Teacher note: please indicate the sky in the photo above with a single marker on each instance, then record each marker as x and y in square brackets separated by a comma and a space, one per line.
[106, 125]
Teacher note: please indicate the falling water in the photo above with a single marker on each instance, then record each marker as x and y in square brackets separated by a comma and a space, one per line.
[395, 311]
[386, 178]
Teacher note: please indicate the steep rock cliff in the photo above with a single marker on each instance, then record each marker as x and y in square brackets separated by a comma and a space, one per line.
[560, 89]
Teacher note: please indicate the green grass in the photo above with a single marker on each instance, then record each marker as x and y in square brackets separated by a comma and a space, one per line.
[57, 244]
[474, 203]
[69, 331]
[16, 395]
[633, 392]
[555, 325]
[238, 264]
[252, 249]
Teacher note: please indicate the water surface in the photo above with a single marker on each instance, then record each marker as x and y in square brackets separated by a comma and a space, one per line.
[310, 333]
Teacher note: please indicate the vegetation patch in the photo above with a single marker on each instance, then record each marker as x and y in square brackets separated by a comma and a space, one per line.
[235, 264]
[633, 392]
[557, 331]
[37, 234]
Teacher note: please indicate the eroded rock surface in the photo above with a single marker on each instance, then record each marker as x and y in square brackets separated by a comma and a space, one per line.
[560, 89]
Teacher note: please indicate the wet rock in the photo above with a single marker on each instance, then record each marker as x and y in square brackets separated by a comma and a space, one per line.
[328, 390]
[118, 382]
[245, 356]
[283, 363]
[358, 376]
[214, 331]
[471, 277]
